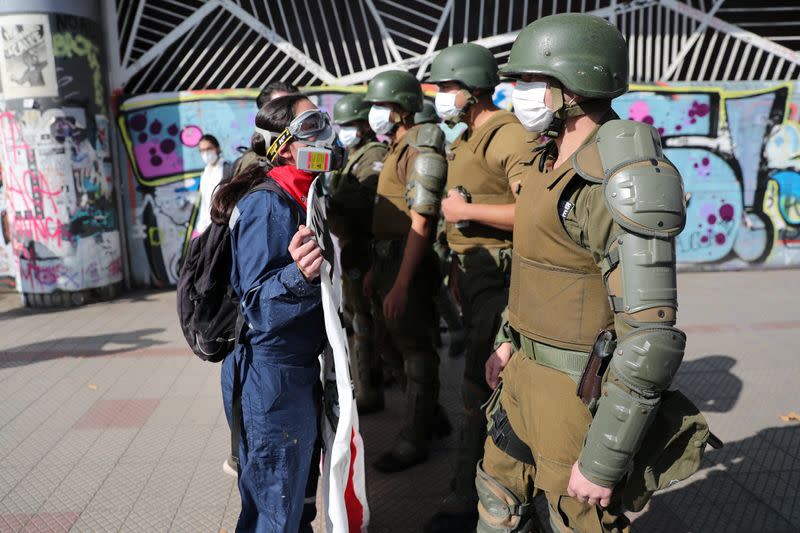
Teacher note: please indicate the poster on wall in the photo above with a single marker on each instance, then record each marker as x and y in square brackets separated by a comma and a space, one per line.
[27, 65]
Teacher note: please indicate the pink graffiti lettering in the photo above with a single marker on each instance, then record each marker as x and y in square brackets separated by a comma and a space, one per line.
[27, 193]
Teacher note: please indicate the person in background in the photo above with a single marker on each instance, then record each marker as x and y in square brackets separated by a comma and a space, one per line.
[351, 197]
[445, 306]
[211, 177]
[484, 164]
[274, 89]
[404, 274]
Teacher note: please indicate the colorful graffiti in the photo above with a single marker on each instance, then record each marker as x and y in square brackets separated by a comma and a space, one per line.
[161, 133]
[737, 149]
[60, 226]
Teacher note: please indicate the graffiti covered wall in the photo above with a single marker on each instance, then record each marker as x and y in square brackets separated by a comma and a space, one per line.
[60, 227]
[161, 134]
[737, 147]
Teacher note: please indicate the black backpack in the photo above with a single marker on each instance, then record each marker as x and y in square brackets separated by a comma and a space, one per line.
[208, 308]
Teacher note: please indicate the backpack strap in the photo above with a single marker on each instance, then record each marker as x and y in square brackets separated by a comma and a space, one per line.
[270, 184]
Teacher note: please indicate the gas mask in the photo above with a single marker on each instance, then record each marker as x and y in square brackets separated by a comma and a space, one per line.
[528, 100]
[320, 151]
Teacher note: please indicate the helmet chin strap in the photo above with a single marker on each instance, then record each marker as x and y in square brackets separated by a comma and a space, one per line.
[564, 111]
[470, 100]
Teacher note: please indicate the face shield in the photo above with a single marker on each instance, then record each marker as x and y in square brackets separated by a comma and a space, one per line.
[320, 151]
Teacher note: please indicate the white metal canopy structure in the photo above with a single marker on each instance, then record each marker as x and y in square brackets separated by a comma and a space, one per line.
[169, 45]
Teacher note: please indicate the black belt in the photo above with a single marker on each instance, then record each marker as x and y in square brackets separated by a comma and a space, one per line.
[505, 439]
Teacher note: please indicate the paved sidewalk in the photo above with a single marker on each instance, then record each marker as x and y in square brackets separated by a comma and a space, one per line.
[108, 423]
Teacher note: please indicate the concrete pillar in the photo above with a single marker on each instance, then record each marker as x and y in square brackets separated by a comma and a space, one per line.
[60, 242]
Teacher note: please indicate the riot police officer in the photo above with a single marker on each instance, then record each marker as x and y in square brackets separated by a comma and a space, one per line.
[593, 251]
[351, 199]
[484, 163]
[404, 274]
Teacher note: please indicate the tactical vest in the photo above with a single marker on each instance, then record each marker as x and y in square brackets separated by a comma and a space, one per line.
[360, 153]
[391, 218]
[350, 213]
[557, 295]
[467, 166]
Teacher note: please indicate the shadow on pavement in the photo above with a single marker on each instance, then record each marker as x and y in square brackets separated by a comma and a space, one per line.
[753, 485]
[710, 383]
[12, 307]
[86, 346]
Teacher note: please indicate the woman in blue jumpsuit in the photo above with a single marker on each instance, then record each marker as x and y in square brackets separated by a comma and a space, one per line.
[275, 274]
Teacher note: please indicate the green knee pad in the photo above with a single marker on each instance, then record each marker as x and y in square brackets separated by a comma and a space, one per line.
[499, 509]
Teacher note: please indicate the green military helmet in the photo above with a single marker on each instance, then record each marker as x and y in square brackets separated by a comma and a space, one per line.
[427, 115]
[587, 54]
[397, 87]
[470, 64]
[350, 108]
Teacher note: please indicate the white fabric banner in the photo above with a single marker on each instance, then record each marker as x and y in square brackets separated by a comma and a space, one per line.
[343, 473]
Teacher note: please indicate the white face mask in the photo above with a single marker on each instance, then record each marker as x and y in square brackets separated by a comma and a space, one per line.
[209, 157]
[445, 104]
[380, 119]
[528, 100]
[349, 136]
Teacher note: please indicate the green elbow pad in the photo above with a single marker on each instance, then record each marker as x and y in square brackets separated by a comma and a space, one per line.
[646, 359]
[426, 183]
[615, 435]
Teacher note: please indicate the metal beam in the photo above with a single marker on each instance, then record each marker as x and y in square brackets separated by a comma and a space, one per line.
[488, 42]
[437, 33]
[735, 31]
[388, 42]
[704, 19]
[137, 18]
[181, 29]
[282, 44]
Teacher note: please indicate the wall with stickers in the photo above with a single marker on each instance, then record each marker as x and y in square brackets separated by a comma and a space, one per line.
[60, 239]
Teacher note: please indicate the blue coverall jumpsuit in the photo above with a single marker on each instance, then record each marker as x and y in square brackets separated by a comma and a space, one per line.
[277, 365]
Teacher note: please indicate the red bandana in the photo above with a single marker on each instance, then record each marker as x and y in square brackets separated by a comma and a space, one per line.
[295, 182]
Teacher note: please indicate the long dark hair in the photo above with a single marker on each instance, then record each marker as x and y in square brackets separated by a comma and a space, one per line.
[275, 116]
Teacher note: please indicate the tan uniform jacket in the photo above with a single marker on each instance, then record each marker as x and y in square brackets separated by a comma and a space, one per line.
[391, 218]
[486, 163]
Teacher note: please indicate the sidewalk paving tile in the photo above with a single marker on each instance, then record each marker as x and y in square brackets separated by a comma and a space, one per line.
[121, 363]
[118, 414]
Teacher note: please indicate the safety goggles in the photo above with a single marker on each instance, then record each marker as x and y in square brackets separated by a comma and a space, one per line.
[312, 126]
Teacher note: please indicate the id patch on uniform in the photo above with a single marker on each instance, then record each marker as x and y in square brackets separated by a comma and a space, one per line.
[564, 207]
